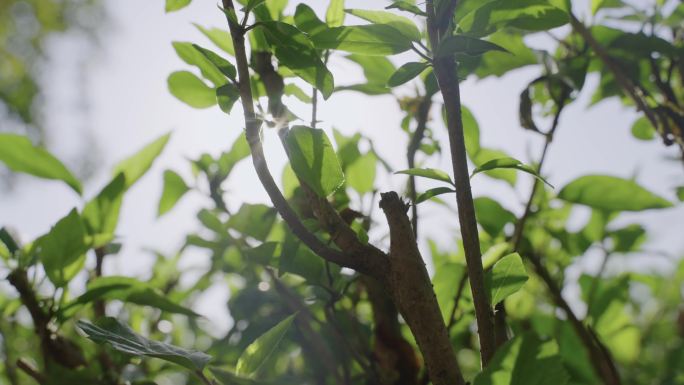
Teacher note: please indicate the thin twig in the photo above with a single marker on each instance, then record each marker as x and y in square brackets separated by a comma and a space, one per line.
[413, 146]
[32, 372]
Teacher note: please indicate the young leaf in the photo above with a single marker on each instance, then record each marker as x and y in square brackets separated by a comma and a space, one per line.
[226, 96]
[374, 39]
[643, 130]
[191, 90]
[407, 6]
[360, 174]
[175, 5]
[404, 26]
[251, 4]
[195, 57]
[122, 338]
[508, 163]
[334, 16]
[405, 73]
[261, 349]
[462, 44]
[507, 276]
[611, 193]
[63, 248]
[430, 173]
[433, 192]
[20, 155]
[101, 214]
[313, 159]
[306, 20]
[484, 155]
[219, 37]
[136, 165]
[173, 190]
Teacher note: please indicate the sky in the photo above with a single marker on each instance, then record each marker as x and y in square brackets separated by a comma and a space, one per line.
[115, 100]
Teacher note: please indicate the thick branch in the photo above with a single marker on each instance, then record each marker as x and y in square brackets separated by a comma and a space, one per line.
[253, 125]
[445, 70]
[411, 288]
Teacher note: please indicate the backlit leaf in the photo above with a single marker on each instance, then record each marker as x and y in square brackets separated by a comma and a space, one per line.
[173, 190]
[611, 193]
[256, 353]
[508, 163]
[374, 39]
[313, 159]
[136, 165]
[191, 90]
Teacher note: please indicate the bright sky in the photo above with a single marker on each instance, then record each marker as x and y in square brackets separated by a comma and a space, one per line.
[128, 105]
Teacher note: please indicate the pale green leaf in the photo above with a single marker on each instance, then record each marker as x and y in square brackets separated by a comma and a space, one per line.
[505, 163]
[334, 16]
[429, 173]
[360, 174]
[20, 155]
[313, 159]
[173, 190]
[433, 192]
[191, 90]
[403, 25]
[611, 193]
[175, 5]
[220, 37]
[136, 165]
[373, 39]
[507, 276]
[63, 248]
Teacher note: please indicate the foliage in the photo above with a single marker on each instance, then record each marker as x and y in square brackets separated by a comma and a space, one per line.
[312, 299]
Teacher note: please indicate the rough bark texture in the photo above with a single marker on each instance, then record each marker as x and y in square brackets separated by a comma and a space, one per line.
[411, 289]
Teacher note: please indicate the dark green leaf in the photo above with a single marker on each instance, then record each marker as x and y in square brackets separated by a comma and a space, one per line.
[226, 96]
[135, 166]
[404, 26]
[530, 15]
[462, 44]
[256, 354]
[192, 54]
[508, 163]
[313, 159]
[405, 73]
[433, 192]
[173, 190]
[374, 39]
[191, 90]
[306, 20]
[124, 339]
[628, 239]
[484, 155]
[20, 155]
[611, 193]
[430, 173]
[220, 63]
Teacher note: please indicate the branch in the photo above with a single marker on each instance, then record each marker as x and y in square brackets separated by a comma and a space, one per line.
[413, 146]
[253, 125]
[412, 291]
[445, 69]
[32, 372]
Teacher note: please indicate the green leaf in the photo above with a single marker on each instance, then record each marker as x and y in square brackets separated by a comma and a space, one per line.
[295, 50]
[20, 155]
[611, 193]
[124, 289]
[597, 5]
[525, 360]
[220, 63]
[122, 338]
[507, 276]
[462, 44]
[306, 20]
[376, 69]
[251, 4]
[63, 248]
[4, 251]
[219, 37]
[403, 25]
[405, 73]
[407, 6]
[226, 377]
[680, 193]
[254, 220]
[136, 165]
[256, 354]
[643, 130]
[360, 174]
[191, 54]
[175, 5]
[191, 90]
[508, 163]
[334, 16]
[433, 192]
[374, 39]
[430, 173]
[491, 215]
[226, 96]
[484, 155]
[293, 90]
[529, 15]
[101, 214]
[173, 190]
[313, 159]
